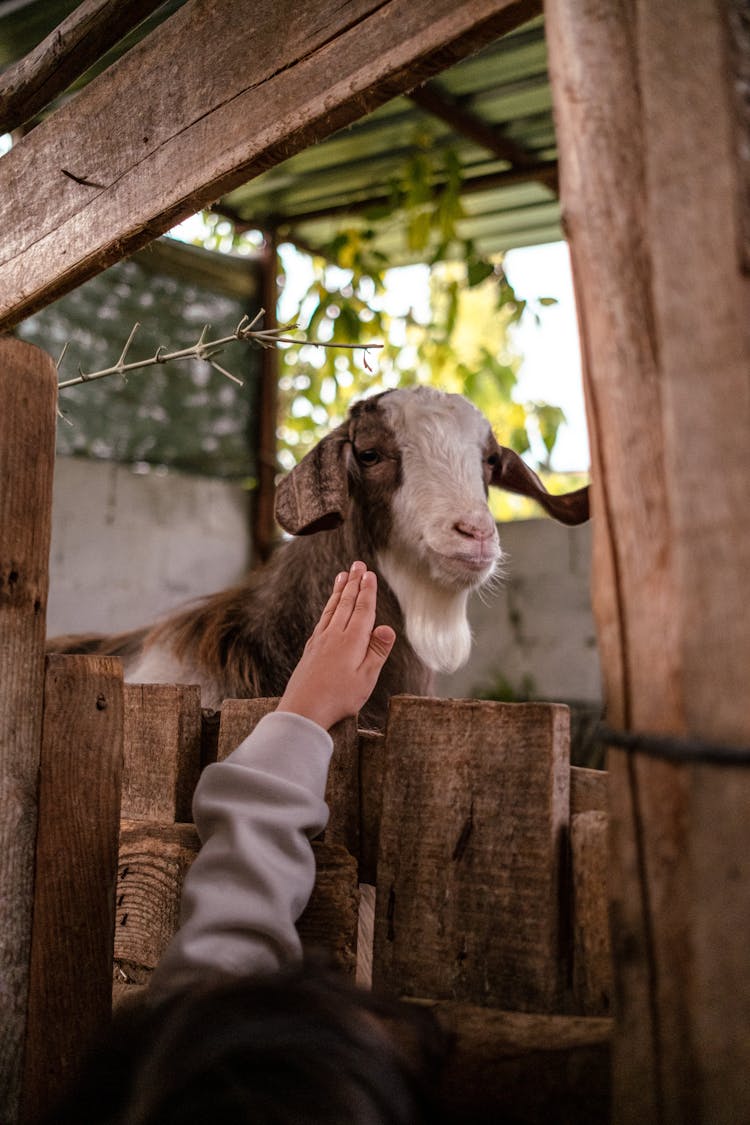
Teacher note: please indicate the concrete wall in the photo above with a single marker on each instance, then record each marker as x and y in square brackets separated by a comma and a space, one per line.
[127, 547]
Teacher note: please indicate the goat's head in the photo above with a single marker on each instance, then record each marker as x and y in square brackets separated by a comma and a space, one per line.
[418, 464]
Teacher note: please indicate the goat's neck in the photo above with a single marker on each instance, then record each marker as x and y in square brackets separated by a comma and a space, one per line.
[435, 619]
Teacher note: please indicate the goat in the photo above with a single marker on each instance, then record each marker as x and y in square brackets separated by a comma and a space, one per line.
[402, 484]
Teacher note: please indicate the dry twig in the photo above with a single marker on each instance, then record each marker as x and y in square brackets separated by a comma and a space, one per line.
[203, 349]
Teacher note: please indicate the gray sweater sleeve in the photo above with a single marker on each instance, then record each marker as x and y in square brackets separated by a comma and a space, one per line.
[256, 813]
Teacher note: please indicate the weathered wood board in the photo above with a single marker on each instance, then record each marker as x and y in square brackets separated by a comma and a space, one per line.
[75, 874]
[471, 868]
[169, 128]
[162, 751]
[28, 383]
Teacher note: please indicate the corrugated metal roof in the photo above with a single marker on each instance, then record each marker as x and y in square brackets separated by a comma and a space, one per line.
[341, 182]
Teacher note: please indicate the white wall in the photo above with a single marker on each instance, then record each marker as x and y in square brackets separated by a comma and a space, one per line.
[539, 625]
[128, 546]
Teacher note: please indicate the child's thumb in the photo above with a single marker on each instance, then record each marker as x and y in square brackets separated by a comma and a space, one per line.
[382, 640]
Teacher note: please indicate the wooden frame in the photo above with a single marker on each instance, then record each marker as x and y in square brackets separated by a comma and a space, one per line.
[654, 190]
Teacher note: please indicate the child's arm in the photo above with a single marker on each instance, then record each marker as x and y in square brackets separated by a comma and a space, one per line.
[257, 810]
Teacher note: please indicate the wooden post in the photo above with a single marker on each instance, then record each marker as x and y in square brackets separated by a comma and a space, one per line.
[28, 390]
[470, 867]
[70, 997]
[654, 206]
[162, 751]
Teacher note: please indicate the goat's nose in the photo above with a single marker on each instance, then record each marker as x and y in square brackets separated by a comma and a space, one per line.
[471, 530]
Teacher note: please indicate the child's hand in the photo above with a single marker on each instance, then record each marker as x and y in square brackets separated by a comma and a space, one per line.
[342, 659]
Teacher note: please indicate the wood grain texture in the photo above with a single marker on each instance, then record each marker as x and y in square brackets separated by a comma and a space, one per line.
[76, 865]
[187, 125]
[162, 751]
[592, 953]
[650, 185]
[475, 808]
[28, 382]
[64, 55]
[528, 1069]
[589, 790]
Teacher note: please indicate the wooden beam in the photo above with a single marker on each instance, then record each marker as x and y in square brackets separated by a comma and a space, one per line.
[168, 129]
[28, 393]
[433, 100]
[545, 172]
[67, 52]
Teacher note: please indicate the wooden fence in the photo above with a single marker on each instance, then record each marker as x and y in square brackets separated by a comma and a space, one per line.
[486, 849]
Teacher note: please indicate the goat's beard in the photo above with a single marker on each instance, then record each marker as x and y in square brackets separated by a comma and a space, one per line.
[434, 614]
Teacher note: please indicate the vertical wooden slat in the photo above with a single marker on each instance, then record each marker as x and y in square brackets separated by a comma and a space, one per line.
[592, 955]
[653, 203]
[239, 717]
[76, 865]
[475, 810]
[371, 772]
[28, 382]
[162, 751]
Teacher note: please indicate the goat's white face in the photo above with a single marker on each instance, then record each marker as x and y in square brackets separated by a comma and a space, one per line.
[417, 465]
[443, 540]
[442, 526]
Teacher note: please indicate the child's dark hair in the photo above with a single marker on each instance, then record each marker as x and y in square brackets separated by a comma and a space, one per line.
[295, 1048]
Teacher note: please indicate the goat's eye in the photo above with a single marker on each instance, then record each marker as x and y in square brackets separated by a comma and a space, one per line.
[493, 459]
[368, 456]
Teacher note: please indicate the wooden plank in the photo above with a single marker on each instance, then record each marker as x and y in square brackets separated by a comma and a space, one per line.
[672, 542]
[67, 52]
[177, 121]
[513, 1066]
[240, 716]
[76, 867]
[162, 751]
[154, 860]
[592, 954]
[589, 790]
[28, 382]
[475, 807]
[329, 922]
[371, 770]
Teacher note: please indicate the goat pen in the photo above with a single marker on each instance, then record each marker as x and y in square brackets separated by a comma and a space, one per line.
[485, 847]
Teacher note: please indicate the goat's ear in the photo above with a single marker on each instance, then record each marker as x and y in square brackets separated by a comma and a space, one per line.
[514, 475]
[315, 495]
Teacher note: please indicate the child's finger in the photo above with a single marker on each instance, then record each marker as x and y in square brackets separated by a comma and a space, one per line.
[366, 603]
[349, 594]
[382, 641]
[330, 607]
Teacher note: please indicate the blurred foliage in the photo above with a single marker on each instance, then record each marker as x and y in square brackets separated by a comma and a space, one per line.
[463, 344]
